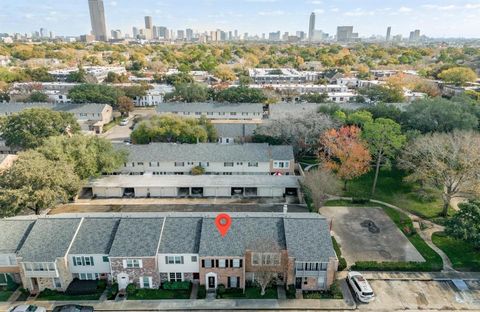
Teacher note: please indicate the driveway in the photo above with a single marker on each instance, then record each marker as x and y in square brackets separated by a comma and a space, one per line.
[400, 295]
[368, 234]
[119, 133]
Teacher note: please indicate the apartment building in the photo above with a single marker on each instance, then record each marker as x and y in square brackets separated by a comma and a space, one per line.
[97, 73]
[276, 76]
[91, 117]
[148, 249]
[222, 111]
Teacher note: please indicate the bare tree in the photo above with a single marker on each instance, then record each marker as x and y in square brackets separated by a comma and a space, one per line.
[301, 131]
[448, 161]
[321, 182]
[266, 258]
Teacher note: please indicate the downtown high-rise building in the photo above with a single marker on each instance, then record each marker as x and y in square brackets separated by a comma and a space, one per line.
[148, 22]
[345, 33]
[189, 34]
[311, 27]
[389, 33]
[135, 32]
[97, 18]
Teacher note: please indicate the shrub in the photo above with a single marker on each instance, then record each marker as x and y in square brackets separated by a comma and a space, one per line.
[221, 289]
[131, 289]
[112, 291]
[360, 200]
[198, 170]
[185, 285]
[291, 291]
[11, 285]
[101, 284]
[342, 263]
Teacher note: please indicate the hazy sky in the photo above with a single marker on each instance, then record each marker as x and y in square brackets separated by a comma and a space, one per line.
[437, 18]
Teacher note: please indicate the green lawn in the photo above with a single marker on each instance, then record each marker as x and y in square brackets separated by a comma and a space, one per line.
[463, 255]
[155, 294]
[5, 294]
[250, 293]
[53, 295]
[433, 260]
[392, 189]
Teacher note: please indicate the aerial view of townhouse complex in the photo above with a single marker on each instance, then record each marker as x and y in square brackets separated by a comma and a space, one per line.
[204, 160]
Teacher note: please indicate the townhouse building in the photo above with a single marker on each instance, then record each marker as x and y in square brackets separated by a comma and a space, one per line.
[148, 249]
[91, 117]
[219, 111]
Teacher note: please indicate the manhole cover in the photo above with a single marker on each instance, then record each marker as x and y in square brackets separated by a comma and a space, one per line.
[372, 227]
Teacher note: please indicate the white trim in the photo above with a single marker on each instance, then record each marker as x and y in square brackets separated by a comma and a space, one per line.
[73, 239]
[211, 274]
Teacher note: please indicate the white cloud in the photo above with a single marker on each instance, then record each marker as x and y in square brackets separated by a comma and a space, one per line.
[113, 3]
[404, 9]
[359, 12]
[271, 13]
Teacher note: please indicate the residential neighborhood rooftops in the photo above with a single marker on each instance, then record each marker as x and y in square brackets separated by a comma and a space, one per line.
[137, 237]
[235, 130]
[49, 239]
[210, 107]
[181, 235]
[95, 236]
[244, 233]
[311, 232]
[206, 152]
[14, 233]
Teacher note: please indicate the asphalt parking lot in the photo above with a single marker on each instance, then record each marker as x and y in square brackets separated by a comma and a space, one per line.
[359, 242]
[399, 295]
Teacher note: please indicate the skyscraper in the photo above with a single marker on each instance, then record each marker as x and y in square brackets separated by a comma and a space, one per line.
[135, 32]
[344, 33]
[389, 33]
[148, 22]
[189, 34]
[97, 17]
[311, 27]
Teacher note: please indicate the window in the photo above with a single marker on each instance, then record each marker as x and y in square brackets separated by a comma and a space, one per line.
[57, 283]
[253, 164]
[271, 259]
[140, 163]
[204, 164]
[179, 164]
[174, 259]
[222, 263]
[237, 263]
[228, 164]
[132, 263]
[233, 281]
[175, 277]
[145, 282]
[83, 261]
[281, 164]
[207, 263]
[194, 258]
[198, 113]
[233, 113]
[239, 163]
[88, 276]
[105, 259]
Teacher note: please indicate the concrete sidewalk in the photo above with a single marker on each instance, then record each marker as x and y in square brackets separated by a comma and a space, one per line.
[222, 304]
[416, 276]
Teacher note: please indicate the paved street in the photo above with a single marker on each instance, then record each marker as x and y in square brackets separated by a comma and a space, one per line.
[119, 133]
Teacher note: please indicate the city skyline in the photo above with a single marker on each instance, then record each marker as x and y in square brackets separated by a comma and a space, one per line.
[435, 18]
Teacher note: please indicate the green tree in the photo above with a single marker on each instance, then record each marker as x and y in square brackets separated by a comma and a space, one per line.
[90, 156]
[29, 128]
[36, 183]
[439, 115]
[180, 78]
[359, 118]
[465, 224]
[240, 94]
[385, 139]
[458, 75]
[189, 92]
[385, 94]
[314, 97]
[125, 105]
[116, 78]
[95, 93]
[136, 91]
[39, 74]
[37, 97]
[173, 129]
[79, 76]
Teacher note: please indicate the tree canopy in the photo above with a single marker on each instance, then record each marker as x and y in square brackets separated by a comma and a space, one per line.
[30, 127]
[458, 75]
[465, 223]
[95, 93]
[174, 129]
[188, 92]
[241, 94]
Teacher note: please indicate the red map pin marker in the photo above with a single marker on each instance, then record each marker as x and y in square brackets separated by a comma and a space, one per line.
[223, 222]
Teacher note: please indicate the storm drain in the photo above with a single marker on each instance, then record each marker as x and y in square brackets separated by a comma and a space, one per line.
[372, 227]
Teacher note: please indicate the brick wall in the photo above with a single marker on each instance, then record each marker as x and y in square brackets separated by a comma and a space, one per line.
[149, 268]
[281, 269]
[223, 273]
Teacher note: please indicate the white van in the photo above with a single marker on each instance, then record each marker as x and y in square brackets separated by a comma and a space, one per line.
[363, 291]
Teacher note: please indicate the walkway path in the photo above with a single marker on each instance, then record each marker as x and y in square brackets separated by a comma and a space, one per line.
[425, 234]
[194, 292]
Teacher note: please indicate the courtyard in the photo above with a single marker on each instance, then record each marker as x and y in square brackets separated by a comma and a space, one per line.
[368, 234]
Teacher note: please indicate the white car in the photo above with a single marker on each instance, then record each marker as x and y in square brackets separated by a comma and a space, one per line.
[124, 122]
[27, 308]
[363, 291]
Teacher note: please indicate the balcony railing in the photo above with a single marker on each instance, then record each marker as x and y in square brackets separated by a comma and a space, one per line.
[41, 273]
[303, 273]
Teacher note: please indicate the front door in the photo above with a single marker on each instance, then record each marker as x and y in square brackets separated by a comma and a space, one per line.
[298, 283]
[123, 281]
[211, 282]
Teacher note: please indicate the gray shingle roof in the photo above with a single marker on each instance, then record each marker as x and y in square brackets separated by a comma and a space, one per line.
[210, 107]
[13, 234]
[95, 236]
[308, 239]
[243, 233]
[137, 237]
[235, 130]
[210, 152]
[181, 235]
[61, 107]
[49, 239]
[282, 152]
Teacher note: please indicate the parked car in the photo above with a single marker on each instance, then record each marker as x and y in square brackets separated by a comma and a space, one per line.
[124, 122]
[361, 287]
[73, 308]
[27, 308]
